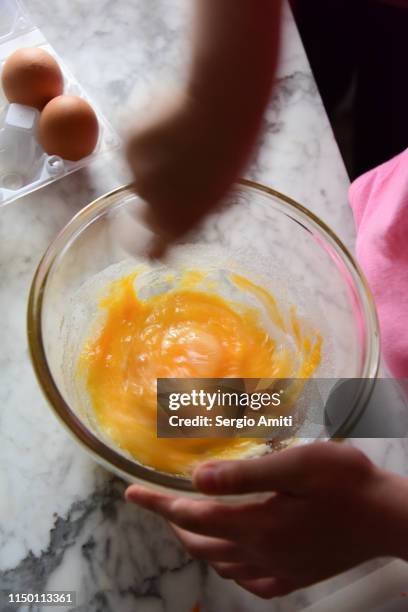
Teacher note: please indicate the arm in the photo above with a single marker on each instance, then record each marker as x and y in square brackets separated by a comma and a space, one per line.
[392, 506]
[329, 509]
[188, 153]
[234, 58]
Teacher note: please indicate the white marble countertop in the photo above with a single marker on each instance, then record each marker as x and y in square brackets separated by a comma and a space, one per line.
[63, 522]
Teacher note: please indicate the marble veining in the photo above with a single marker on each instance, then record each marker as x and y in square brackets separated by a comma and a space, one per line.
[63, 521]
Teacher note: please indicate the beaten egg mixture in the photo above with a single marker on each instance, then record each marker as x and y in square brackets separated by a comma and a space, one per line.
[183, 333]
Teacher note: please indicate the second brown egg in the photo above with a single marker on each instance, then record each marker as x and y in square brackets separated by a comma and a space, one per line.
[68, 127]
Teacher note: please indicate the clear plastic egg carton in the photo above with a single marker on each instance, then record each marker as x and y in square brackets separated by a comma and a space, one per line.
[24, 165]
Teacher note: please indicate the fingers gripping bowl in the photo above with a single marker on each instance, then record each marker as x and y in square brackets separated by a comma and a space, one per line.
[260, 235]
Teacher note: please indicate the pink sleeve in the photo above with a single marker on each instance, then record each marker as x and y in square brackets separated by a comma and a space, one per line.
[379, 200]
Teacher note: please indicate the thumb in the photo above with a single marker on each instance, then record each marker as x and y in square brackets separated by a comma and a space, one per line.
[283, 472]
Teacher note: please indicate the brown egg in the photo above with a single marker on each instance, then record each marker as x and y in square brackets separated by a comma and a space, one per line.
[31, 76]
[68, 127]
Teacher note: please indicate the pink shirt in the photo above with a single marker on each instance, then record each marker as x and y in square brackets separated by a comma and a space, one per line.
[379, 200]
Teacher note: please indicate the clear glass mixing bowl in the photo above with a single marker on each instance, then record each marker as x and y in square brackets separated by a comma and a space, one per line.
[266, 233]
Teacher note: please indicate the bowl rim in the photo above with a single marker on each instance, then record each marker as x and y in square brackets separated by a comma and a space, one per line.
[112, 459]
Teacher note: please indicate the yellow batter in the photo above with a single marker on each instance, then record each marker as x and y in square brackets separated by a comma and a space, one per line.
[183, 333]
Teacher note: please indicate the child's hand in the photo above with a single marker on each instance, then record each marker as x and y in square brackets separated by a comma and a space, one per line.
[187, 155]
[330, 508]
[182, 165]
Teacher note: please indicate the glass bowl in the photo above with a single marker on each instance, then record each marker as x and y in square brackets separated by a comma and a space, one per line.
[264, 232]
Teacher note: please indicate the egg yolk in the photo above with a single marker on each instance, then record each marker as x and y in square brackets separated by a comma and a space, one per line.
[183, 333]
